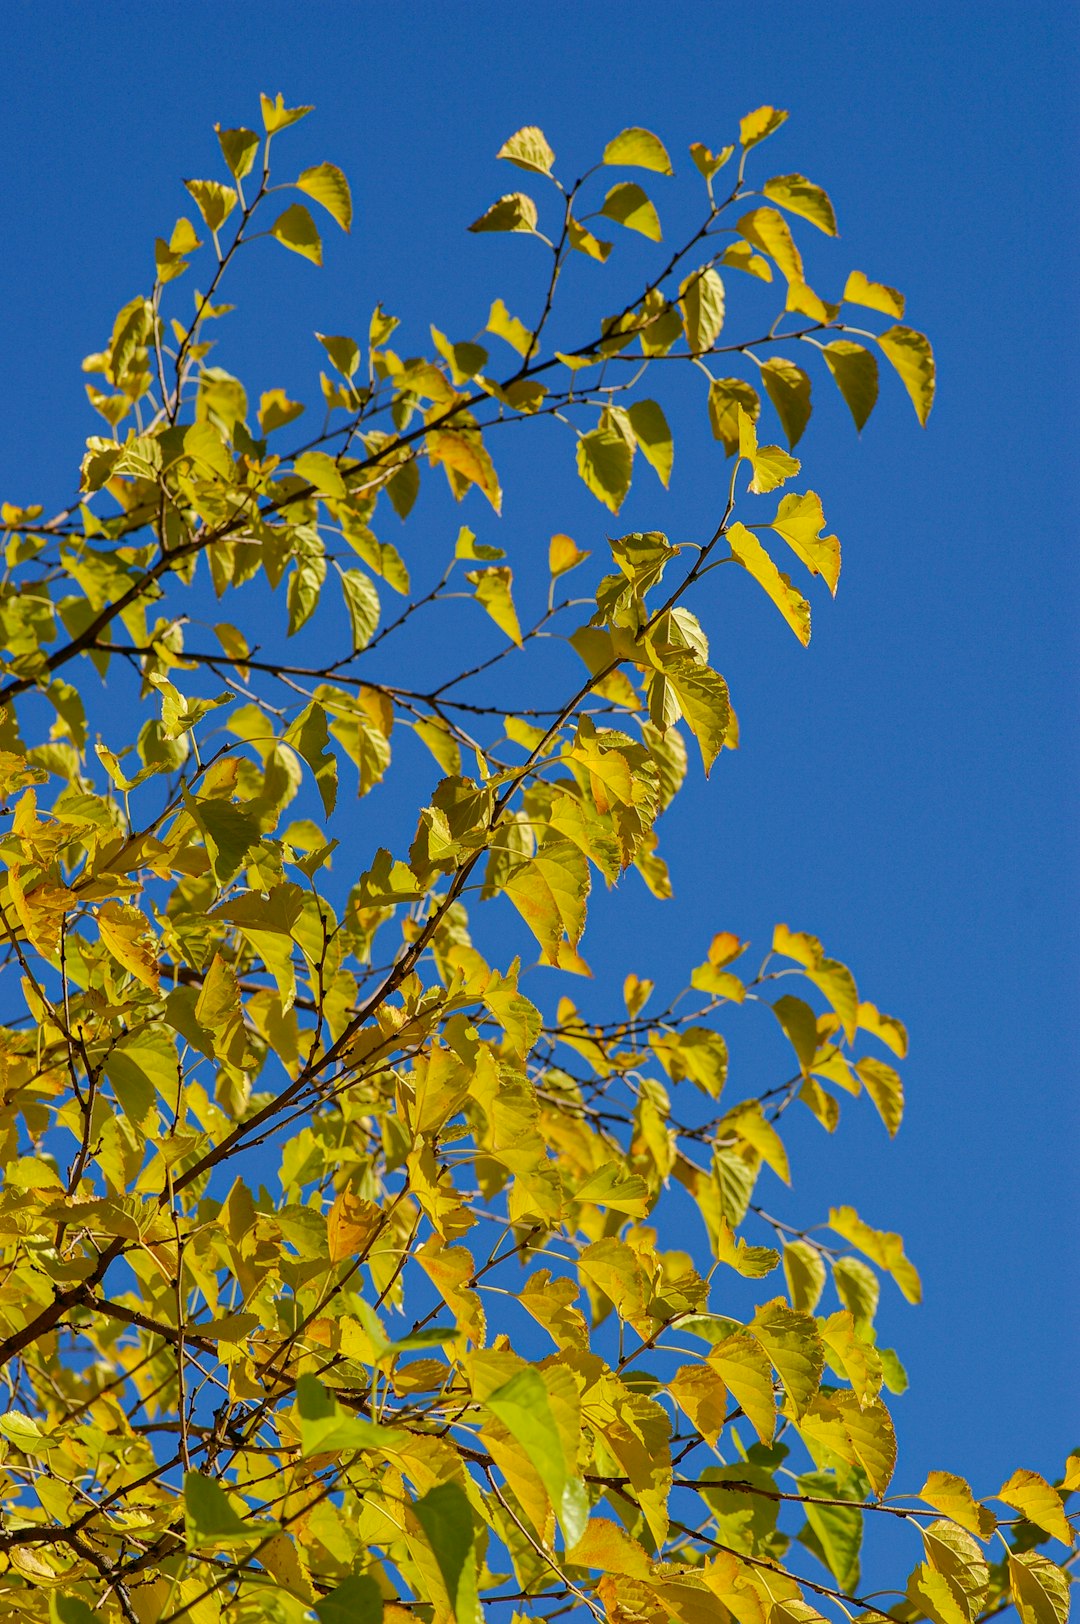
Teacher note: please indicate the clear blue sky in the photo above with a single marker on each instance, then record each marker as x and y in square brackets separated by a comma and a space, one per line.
[907, 789]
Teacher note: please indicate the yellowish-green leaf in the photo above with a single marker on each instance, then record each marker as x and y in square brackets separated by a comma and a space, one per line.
[276, 116]
[549, 892]
[238, 148]
[701, 301]
[653, 436]
[1039, 1588]
[741, 257]
[127, 934]
[885, 1088]
[771, 465]
[528, 149]
[767, 230]
[492, 590]
[297, 230]
[319, 469]
[857, 1287]
[800, 196]
[1038, 1501]
[509, 328]
[727, 398]
[952, 1496]
[581, 239]
[514, 211]
[605, 463]
[638, 149]
[874, 295]
[804, 1270]
[328, 186]
[755, 560]
[856, 372]
[740, 1361]
[788, 387]
[793, 1344]
[276, 410]
[759, 124]
[799, 519]
[881, 1246]
[631, 206]
[913, 359]
[524, 1408]
[214, 201]
[211, 1519]
[708, 162]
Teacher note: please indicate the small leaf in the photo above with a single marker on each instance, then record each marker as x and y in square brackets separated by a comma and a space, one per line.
[309, 737]
[296, 229]
[508, 327]
[319, 469]
[564, 554]
[913, 358]
[769, 231]
[653, 436]
[585, 243]
[856, 372]
[512, 212]
[492, 590]
[446, 1517]
[701, 301]
[756, 126]
[238, 148]
[276, 116]
[728, 397]
[753, 558]
[1039, 1502]
[631, 207]
[788, 388]
[874, 295]
[708, 162]
[529, 149]
[211, 1519]
[214, 201]
[362, 602]
[804, 1270]
[276, 410]
[343, 352]
[328, 186]
[605, 462]
[638, 149]
[885, 1088]
[800, 196]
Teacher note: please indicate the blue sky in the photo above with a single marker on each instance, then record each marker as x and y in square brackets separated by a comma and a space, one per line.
[907, 788]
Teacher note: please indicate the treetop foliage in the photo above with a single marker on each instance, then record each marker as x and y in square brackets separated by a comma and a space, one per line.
[348, 1275]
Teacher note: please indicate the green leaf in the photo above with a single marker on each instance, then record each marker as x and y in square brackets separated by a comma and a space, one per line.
[513, 212]
[800, 196]
[804, 1270]
[655, 439]
[70, 1610]
[356, 1600]
[318, 469]
[528, 149]
[756, 126]
[492, 590]
[523, 1407]
[309, 736]
[856, 372]
[326, 1428]
[701, 301]
[638, 149]
[874, 295]
[788, 387]
[912, 357]
[297, 230]
[606, 464]
[756, 561]
[446, 1517]
[211, 1519]
[229, 832]
[837, 1529]
[631, 207]
[328, 186]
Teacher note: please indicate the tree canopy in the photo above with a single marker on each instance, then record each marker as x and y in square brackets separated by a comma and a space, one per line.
[354, 1266]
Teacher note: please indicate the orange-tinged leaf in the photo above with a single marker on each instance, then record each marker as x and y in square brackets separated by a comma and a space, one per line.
[699, 1391]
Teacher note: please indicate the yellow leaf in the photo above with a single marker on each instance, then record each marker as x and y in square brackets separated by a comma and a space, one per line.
[605, 463]
[800, 196]
[759, 124]
[492, 590]
[856, 372]
[874, 295]
[508, 327]
[788, 387]
[770, 233]
[638, 149]
[707, 161]
[631, 206]
[297, 230]
[700, 1392]
[891, 1032]
[799, 520]
[701, 301]
[913, 359]
[581, 239]
[528, 149]
[793, 1344]
[549, 892]
[351, 1225]
[564, 554]
[328, 186]
[276, 116]
[741, 1363]
[749, 1122]
[466, 461]
[749, 552]
[514, 211]
[804, 1270]
[952, 1496]
[605, 1547]
[771, 465]
[214, 201]
[881, 1247]
[1038, 1501]
[1039, 1588]
[127, 934]
[885, 1088]
[727, 398]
